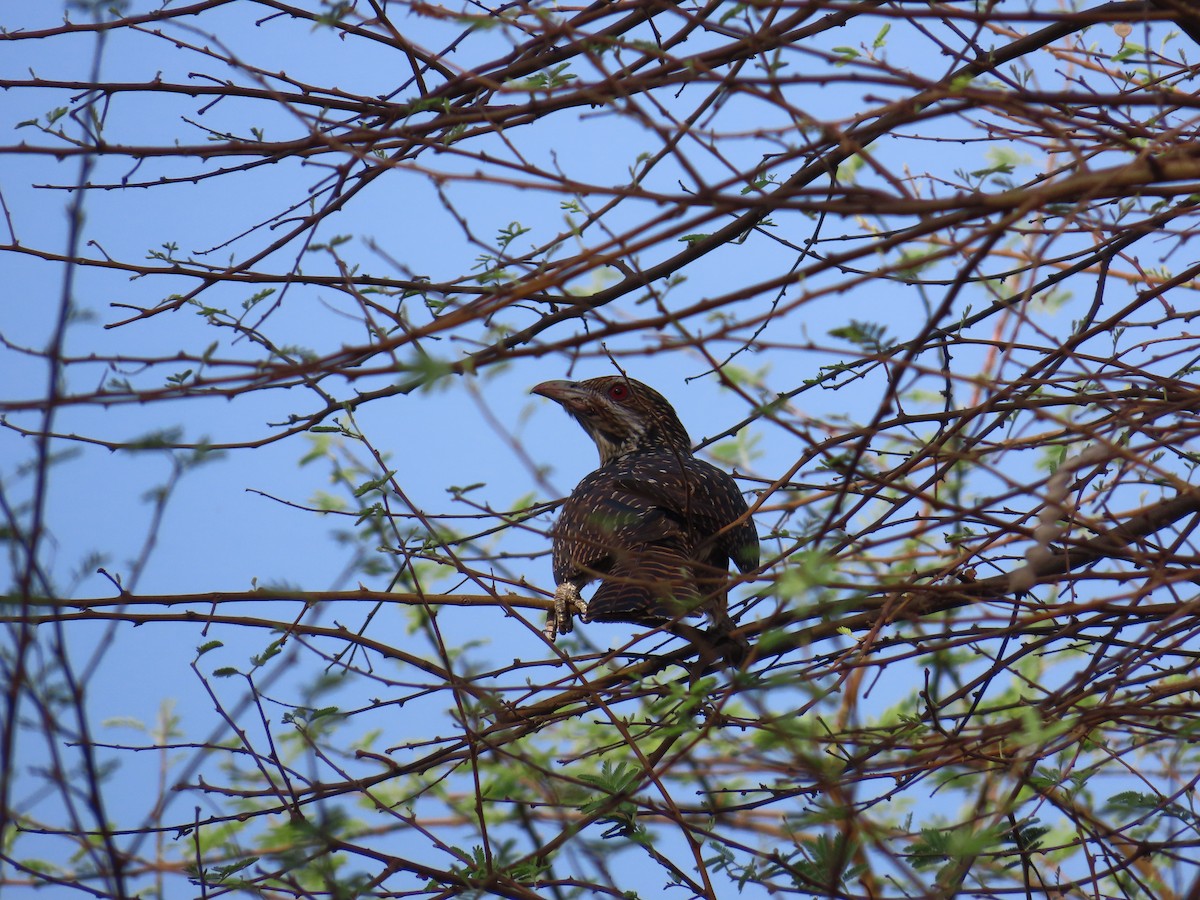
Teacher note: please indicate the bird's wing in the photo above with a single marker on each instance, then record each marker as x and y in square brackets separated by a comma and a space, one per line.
[706, 498]
[601, 521]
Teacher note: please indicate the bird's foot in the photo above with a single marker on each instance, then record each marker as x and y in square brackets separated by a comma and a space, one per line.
[567, 602]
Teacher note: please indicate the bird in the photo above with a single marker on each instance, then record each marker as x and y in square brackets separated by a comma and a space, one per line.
[656, 526]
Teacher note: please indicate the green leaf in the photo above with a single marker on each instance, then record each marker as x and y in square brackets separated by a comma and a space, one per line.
[273, 649]
[209, 645]
[375, 484]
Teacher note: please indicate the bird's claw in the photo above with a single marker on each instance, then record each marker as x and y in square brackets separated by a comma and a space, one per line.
[567, 602]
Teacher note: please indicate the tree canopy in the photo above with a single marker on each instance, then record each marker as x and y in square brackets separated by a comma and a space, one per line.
[276, 501]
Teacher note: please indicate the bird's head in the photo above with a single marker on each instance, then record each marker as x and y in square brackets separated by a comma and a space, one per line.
[621, 415]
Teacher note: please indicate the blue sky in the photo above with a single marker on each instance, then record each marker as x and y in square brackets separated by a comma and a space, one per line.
[219, 533]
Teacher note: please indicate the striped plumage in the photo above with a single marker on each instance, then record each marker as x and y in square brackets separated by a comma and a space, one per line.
[649, 522]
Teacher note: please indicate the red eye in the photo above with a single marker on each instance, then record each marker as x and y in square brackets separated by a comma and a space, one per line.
[619, 391]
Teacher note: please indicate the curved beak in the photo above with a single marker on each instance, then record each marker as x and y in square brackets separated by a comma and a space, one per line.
[568, 393]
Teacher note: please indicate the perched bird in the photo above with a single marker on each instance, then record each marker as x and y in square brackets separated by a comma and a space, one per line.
[654, 524]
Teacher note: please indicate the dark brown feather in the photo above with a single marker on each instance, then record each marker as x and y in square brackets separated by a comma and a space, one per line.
[648, 523]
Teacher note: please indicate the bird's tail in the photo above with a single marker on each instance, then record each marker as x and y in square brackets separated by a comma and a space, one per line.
[656, 584]
[660, 585]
